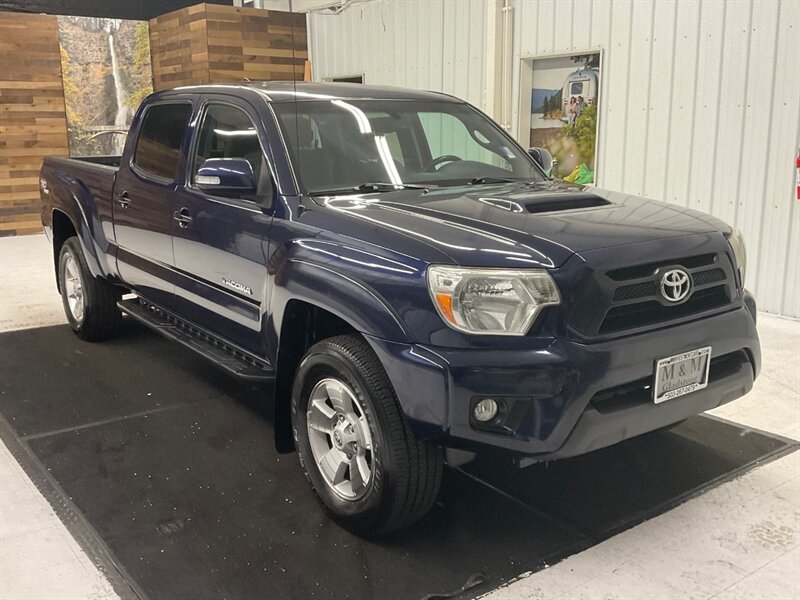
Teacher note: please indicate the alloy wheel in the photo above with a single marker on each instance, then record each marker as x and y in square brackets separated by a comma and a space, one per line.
[340, 439]
[73, 286]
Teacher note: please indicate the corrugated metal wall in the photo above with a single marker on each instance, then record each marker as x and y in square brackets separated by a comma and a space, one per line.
[425, 44]
[700, 106]
[700, 101]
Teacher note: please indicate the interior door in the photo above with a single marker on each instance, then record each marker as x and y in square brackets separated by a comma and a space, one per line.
[143, 202]
[221, 244]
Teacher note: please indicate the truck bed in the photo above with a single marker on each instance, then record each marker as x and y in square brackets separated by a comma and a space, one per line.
[107, 161]
[90, 180]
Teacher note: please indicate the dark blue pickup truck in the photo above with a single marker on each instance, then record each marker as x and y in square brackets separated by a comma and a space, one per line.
[407, 278]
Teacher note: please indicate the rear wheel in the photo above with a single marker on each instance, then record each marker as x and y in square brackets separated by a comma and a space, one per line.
[89, 303]
[364, 465]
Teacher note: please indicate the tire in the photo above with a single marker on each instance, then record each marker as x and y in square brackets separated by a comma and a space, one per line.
[89, 303]
[403, 475]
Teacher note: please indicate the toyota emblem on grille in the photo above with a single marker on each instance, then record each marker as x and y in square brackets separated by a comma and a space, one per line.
[675, 285]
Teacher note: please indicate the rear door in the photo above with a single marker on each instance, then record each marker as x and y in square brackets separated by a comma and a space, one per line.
[222, 244]
[143, 200]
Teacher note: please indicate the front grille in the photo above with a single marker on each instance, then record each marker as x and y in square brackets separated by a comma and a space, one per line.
[637, 290]
[650, 288]
[645, 270]
[707, 277]
[631, 316]
[628, 298]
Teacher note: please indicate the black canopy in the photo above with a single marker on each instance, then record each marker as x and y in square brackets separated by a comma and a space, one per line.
[115, 9]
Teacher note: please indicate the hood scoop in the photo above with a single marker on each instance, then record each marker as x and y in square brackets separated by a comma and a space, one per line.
[558, 202]
[508, 205]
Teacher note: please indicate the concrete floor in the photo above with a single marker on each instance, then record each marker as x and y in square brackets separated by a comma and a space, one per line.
[739, 540]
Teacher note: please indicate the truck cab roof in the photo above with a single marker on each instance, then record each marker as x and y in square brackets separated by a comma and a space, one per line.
[289, 91]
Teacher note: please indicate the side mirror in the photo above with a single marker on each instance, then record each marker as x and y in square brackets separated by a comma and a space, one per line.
[226, 177]
[543, 158]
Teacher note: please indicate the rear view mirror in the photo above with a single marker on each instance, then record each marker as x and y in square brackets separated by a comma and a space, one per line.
[543, 158]
[226, 177]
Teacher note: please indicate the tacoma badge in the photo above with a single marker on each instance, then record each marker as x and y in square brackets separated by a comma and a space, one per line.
[237, 286]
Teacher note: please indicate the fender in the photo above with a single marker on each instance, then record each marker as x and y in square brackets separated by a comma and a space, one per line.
[81, 227]
[317, 273]
[338, 276]
[346, 297]
[73, 199]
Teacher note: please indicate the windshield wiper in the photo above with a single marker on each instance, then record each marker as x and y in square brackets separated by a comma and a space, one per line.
[371, 187]
[388, 187]
[480, 180]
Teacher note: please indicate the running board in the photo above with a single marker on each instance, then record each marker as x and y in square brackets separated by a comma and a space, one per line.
[238, 362]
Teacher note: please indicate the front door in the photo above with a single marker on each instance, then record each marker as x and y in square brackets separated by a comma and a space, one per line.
[222, 243]
[143, 201]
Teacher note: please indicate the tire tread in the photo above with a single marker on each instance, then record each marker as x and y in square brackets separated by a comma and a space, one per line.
[102, 317]
[418, 465]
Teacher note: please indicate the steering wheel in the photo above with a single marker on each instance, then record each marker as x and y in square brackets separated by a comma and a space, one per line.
[431, 166]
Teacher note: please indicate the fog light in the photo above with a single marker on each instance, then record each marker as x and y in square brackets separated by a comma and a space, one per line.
[485, 410]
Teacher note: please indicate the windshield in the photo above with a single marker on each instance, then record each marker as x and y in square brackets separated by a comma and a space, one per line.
[338, 145]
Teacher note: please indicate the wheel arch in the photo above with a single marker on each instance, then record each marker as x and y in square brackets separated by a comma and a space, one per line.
[303, 324]
[64, 226]
[313, 301]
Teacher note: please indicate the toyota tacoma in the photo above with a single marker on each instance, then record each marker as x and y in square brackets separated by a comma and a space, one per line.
[407, 279]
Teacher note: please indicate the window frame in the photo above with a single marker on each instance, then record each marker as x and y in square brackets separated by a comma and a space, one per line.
[301, 188]
[572, 84]
[188, 180]
[141, 171]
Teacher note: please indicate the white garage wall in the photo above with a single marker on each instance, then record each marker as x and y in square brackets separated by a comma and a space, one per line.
[700, 102]
[699, 107]
[423, 44]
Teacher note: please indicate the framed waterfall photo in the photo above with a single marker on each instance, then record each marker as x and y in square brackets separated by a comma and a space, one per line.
[105, 65]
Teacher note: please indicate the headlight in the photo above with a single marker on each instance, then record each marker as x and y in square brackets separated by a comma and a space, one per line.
[490, 301]
[736, 240]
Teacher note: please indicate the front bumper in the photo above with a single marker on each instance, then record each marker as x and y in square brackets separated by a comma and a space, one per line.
[570, 398]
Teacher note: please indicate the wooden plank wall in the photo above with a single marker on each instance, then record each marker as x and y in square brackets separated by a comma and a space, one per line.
[179, 48]
[260, 45]
[210, 43]
[33, 121]
[205, 43]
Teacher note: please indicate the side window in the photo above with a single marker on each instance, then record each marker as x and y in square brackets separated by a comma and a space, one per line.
[447, 135]
[228, 132]
[393, 142]
[158, 148]
[399, 134]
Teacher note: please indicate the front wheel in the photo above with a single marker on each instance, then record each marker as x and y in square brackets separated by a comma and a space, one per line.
[364, 465]
[89, 303]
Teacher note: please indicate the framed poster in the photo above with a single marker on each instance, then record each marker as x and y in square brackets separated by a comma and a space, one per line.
[105, 65]
[559, 103]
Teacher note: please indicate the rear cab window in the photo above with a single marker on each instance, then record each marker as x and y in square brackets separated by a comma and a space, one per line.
[158, 147]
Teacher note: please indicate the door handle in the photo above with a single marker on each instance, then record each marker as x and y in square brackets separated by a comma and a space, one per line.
[124, 200]
[183, 217]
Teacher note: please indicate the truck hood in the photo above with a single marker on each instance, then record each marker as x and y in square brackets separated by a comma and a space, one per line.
[509, 225]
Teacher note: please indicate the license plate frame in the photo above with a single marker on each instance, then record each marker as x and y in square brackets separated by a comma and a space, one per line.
[684, 384]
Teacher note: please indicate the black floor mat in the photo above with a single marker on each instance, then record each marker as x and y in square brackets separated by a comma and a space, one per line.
[169, 467]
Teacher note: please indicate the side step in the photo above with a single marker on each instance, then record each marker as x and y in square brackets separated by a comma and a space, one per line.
[235, 360]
